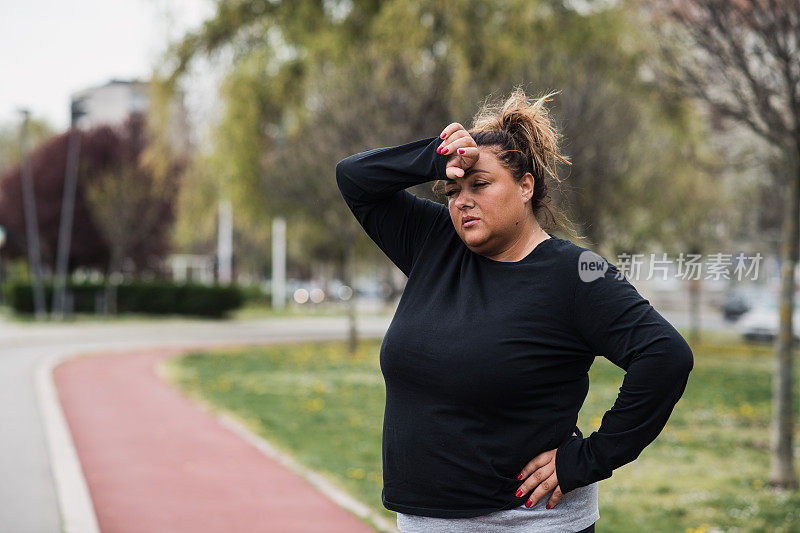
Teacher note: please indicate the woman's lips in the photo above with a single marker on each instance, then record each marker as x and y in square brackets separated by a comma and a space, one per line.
[470, 223]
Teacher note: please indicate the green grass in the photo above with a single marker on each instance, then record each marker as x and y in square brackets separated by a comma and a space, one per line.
[707, 471]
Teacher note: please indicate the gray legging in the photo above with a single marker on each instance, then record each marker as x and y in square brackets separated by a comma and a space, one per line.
[578, 507]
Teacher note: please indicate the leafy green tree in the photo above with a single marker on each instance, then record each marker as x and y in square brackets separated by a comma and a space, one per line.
[462, 51]
[312, 82]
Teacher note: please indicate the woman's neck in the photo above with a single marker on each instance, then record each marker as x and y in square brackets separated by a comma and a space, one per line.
[524, 245]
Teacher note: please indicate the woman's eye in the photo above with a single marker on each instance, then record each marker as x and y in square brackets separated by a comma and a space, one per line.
[477, 184]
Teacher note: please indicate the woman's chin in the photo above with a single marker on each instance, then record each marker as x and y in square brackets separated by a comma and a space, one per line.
[473, 242]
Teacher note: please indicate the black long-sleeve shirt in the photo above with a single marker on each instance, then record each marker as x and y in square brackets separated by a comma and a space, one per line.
[486, 362]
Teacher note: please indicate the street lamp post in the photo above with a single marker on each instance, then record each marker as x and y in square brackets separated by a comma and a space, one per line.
[31, 224]
[67, 211]
[2, 242]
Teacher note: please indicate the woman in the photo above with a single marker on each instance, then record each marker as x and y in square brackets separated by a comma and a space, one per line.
[486, 360]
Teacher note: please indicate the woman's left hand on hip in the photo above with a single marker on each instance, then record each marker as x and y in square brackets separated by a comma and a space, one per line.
[540, 476]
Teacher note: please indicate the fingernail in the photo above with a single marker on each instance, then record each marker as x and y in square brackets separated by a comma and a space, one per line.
[439, 150]
[519, 476]
[445, 150]
[547, 506]
[519, 493]
[442, 135]
[461, 150]
[528, 503]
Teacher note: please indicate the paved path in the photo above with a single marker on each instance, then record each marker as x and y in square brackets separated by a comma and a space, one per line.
[28, 495]
[154, 461]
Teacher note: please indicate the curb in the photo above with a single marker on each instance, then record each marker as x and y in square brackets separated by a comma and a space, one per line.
[75, 503]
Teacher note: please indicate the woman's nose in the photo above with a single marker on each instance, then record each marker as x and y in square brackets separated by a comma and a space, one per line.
[462, 199]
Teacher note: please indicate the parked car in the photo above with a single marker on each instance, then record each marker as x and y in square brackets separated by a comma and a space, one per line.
[760, 323]
[740, 300]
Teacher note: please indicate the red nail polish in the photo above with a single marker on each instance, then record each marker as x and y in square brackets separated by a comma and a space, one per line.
[445, 150]
[439, 150]
[519, 476]
[547, 506]
[528, 503]
[519, 493]
[461, 150]
[443, 135]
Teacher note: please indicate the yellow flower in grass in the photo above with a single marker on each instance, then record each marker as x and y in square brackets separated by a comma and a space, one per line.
[355, 473]
[746, 410]
[703, 528]
[318, 386]
[221, 385]
[757, 484]
[314, 404]
[258, 387]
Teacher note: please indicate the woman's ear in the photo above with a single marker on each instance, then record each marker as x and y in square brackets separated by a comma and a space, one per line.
[526, 186]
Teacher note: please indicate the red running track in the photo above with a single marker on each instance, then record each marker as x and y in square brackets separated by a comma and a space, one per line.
[155, 462]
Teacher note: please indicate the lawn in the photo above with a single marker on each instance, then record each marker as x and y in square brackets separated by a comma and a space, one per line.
[706, 472]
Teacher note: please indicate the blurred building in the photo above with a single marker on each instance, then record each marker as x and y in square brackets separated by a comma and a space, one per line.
[110, 103]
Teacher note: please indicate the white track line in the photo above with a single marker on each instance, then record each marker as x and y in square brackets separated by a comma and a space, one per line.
[75, 503]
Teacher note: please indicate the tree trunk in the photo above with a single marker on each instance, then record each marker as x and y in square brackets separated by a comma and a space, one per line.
[114, 267]
[694, 311]
[349, 280]
[782, 460]
[695, 292]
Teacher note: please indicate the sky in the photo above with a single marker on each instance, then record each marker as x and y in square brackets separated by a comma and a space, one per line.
[50, 49]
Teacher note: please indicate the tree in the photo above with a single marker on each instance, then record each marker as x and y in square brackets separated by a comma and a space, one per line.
[464, 51]
[401, 69]
[103, 150]
[127, 203]
[741, 60]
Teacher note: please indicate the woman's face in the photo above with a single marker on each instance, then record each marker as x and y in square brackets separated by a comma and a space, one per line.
[489, 193]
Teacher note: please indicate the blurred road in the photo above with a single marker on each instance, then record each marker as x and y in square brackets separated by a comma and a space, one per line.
[27, 491]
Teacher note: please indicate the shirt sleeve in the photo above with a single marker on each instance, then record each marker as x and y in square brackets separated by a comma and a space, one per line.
[616, 322]
[373, 186]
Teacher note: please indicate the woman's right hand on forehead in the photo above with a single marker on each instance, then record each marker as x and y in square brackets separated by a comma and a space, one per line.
[460, 148]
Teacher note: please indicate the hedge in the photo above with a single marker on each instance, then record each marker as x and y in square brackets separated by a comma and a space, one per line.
[148, 297]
